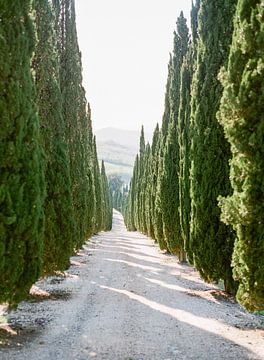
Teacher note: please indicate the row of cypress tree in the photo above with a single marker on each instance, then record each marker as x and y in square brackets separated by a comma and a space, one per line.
[198, 189]
[53, 195]
[118, 190]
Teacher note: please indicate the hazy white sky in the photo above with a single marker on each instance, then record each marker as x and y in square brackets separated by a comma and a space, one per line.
[125, 47]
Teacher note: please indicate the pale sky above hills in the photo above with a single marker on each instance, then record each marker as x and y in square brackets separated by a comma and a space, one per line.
[125, 47]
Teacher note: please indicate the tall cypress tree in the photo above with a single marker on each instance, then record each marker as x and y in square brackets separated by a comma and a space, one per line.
[130, 217]
[21, 159]
[184, 134]
[211, 240]
[98, 216]
[107, 206]
[154, 163]
[59, 221]
[77, 119]
[74, 111]
[169, 179]
[88, 171]
[241, 114]
[158, 217]
[184, 154]
[145, 209]
[140, 174]
[194, 22]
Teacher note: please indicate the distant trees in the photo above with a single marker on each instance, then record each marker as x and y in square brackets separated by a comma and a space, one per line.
[118, 191]
[179, 181]
[53, 194]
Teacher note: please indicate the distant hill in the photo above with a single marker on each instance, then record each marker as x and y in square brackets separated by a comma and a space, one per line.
[128, 138]
[118, 149]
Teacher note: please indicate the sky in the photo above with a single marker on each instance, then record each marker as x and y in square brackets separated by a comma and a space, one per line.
[125, 47]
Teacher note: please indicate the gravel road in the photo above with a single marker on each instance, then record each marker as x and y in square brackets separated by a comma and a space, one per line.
[123, 299]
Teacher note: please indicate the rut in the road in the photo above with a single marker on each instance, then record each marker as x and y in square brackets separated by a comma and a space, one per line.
[126, 300]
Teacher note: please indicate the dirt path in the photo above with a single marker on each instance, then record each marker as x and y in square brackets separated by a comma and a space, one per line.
[123, 299]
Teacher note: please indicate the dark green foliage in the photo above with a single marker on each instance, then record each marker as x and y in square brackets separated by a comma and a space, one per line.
[145, 193]
[98, 213]
[57, 159]
[116, 184]
[185, 154]
[241, 114]
[77, 118]
[130, 214]
[153, 178]
[21, 157]
[74, 107]
[107, 208]
[184, 134]
[211, 240]
[136, 204]
[59, 220]
[169, 178]
[116, 189]
[170, 193]
[88, 170]
[158, 221]
[194, 22]
[139, 201]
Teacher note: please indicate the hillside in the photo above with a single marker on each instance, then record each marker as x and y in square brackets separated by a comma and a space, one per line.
[118, 148]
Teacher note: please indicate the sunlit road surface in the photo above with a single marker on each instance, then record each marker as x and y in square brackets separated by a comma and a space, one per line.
[130, 301]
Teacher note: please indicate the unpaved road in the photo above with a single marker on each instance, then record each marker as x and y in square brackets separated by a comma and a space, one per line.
[123, 299]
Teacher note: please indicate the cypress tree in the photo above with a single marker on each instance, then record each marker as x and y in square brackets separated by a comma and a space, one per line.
[145, 210]
[98, 216]
[153, 177]
[241, 114]
[158, 218]
[116, 188]
[140, 174]
[21, 158]
[88, 169]
[130, 217]
[169, 179]
[125, 200]
[59, 221]
[184, 154]
[184, 135]
[74, 110]
[107, 206]
[211, 240]
[77, 119]
[194, 23]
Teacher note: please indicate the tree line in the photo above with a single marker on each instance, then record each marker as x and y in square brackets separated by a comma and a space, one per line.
[118, 190]
[53, 193]
[198, 189]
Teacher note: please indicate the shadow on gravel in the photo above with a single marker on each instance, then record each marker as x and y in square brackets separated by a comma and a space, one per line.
[195, 331]
[23, 324]
[22, 336]
[53, 295]
[133, 251]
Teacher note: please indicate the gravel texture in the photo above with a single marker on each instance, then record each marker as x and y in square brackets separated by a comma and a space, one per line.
[123, 299]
